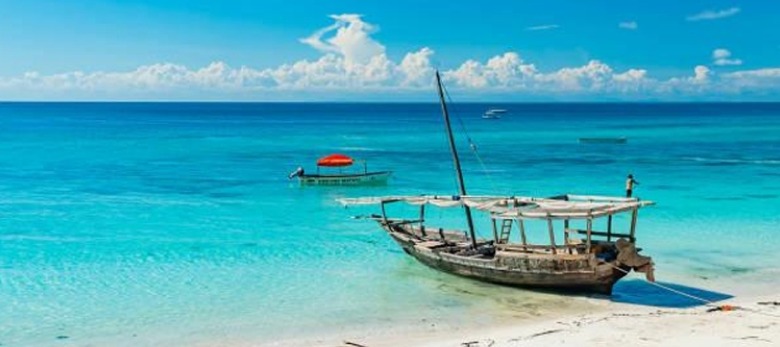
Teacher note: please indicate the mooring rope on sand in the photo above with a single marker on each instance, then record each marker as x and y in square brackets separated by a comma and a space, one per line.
[710, 303]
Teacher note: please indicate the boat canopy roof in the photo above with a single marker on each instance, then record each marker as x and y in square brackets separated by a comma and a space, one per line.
[520, 207]
[335, 160]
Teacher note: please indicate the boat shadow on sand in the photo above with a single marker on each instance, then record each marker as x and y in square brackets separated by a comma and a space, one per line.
[639, 292]
[627, 291]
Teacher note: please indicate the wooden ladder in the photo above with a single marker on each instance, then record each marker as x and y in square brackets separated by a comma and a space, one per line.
[506, 229]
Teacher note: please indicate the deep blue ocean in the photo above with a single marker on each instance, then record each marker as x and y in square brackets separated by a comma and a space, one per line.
[175, 223]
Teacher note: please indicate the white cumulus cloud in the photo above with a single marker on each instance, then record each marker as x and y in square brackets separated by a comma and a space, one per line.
[352, 61]
[722, 57]
[502, 71]
[595, 75]
[416, 68]
[628, 25]
[701, 73]
[763, 80]
[352, 39]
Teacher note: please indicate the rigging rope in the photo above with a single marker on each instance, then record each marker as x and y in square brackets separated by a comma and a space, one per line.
[472, 145]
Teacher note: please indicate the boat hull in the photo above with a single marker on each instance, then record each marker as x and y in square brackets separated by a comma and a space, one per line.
[560, 273]
[370, 178]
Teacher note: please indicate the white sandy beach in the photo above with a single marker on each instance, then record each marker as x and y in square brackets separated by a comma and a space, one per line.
[754, 321]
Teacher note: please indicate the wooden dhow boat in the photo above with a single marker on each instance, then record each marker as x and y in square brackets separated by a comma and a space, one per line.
[340, 178]
[582, 259]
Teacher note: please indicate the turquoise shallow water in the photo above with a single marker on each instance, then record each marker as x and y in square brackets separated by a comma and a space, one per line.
[160, 223]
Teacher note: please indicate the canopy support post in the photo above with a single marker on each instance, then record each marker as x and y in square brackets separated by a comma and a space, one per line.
[566, 234]
[609, 228]
[552, 234]
[422, 220]
[384, 213]
[589, 230]
[633, 224]
[495, 230]
[522, 233]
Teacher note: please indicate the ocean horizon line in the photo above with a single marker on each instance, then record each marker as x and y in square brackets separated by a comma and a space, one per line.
[369, 102]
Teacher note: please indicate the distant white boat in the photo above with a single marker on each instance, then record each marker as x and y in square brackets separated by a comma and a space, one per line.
[494, 113]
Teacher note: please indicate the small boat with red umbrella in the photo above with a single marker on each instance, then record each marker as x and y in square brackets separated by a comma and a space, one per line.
[340, 161]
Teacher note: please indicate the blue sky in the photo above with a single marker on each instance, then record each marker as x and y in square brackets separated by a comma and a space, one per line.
[99, 49]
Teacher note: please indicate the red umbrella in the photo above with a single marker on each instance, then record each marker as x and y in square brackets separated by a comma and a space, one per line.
[335, 160]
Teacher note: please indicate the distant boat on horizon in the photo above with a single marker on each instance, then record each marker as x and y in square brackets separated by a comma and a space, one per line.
[494, 113]
[604, 140]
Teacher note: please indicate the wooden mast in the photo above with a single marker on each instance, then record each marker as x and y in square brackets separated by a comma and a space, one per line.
[455, 158]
